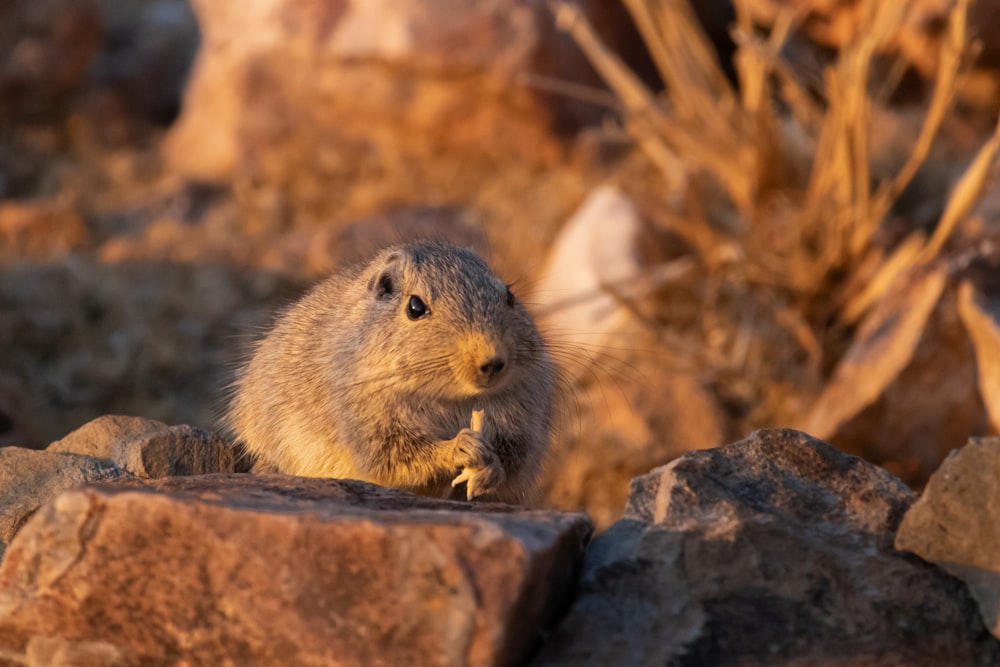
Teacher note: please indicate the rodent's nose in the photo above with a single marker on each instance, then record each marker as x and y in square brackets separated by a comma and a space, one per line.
[492, 367]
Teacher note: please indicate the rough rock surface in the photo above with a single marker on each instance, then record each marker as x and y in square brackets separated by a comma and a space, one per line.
[254, 570]
[954, 524]
[775, 550]
[29, 478]
[151, 449]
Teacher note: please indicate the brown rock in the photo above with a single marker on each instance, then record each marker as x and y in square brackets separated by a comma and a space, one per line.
[775, 550]
[29, 478]
[151, 449]
[46, 47]
[954, 524]
[369, 85]
[256, 570]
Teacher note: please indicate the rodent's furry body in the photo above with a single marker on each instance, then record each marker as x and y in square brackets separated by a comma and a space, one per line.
[349, 385]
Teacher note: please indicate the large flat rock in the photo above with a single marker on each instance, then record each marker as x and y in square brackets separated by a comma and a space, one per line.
[266, 570]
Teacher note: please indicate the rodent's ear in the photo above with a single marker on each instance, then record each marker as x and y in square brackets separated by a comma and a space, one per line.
[383, 284]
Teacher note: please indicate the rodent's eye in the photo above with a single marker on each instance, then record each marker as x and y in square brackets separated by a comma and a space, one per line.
[416, 308]
[510, 297]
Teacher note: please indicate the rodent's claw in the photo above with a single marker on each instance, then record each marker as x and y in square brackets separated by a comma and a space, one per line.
[479, 481]
[481, 470]
[468, 476]
[462, 477]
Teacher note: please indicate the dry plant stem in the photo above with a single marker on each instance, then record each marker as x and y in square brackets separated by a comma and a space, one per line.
[945, 85]
[757, 61]
[569, 89]
[840, 177]
[984, 331]
[912, 251]
[915, 251]
[966, 194]
[701, 122]
[901, 259]
[683, 57]
[642, 109]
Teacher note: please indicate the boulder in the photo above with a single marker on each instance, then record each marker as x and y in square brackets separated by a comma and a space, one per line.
[954, 524]
[775, 550]
[29, 478]
[264, 570]
[151, 449]
[371, 85]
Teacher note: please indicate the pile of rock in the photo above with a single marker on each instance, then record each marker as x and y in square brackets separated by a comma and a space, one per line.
[775, 550]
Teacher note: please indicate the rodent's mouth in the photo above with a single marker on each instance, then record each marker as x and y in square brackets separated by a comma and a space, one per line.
[484, 385]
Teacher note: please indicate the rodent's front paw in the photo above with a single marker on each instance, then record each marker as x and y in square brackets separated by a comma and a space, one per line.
[481, 469]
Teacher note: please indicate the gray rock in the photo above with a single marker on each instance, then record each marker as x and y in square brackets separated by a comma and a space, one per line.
[954, 524]
[29, 478]
[268, 570]
[775, 550]
[152, 449]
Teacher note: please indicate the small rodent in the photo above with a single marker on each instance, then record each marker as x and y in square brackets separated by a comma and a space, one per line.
[419, 371]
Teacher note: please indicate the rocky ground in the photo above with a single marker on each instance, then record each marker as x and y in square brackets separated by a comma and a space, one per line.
[774, 550]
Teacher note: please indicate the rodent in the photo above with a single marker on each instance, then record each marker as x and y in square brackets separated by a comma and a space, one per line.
[376, 373]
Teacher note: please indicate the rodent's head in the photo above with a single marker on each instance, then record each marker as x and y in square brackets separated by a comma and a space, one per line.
[444, 323]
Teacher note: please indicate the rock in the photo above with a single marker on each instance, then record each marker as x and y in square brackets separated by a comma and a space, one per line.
[151, 449]
[29, 478]
[633, 404]
[370, 85]
[595, 257]
[606, 257]
[775, 550]
[254, 570]
[46, 47]
[954, 523]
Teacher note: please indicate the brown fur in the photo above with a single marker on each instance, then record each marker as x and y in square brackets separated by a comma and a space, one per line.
[347, 385]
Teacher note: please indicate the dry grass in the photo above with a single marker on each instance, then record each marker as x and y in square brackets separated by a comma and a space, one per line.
[772, 181]
[702, 130]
